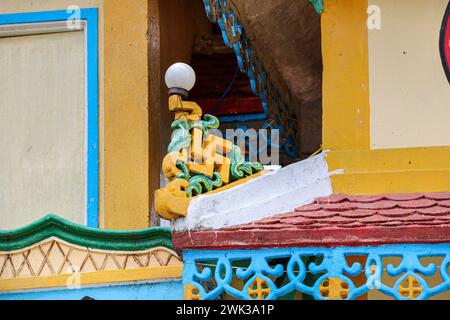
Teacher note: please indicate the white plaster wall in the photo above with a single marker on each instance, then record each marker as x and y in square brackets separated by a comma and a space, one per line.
[409, 93]
[42, 128]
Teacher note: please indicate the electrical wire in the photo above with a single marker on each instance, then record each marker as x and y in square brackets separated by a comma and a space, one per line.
[225, 93]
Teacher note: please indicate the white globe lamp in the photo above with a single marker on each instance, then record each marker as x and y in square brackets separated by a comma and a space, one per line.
[180, 79]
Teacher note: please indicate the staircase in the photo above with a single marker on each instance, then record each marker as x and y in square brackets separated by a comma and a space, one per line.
[286, 39]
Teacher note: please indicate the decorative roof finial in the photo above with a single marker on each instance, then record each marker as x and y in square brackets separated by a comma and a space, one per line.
[197, 162]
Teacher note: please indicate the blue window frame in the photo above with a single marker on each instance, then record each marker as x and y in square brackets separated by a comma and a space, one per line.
[90, 17]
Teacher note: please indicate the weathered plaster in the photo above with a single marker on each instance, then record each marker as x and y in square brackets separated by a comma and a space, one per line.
[273, 193]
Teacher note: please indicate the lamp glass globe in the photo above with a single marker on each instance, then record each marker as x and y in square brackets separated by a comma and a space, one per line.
[180, 75]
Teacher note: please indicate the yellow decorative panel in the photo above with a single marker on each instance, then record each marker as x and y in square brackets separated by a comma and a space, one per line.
[334, 288]
[55, 257]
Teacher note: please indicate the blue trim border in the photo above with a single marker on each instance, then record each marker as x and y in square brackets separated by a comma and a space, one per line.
[90, 16]
[165, 290]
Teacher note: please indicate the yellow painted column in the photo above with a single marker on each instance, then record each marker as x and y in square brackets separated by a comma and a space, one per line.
[346, 109]
[126, 200]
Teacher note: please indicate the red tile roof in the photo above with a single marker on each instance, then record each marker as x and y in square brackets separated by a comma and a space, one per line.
[338, 220]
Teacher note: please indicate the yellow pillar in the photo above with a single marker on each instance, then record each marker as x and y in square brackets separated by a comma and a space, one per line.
[346, 109]
[126, 141]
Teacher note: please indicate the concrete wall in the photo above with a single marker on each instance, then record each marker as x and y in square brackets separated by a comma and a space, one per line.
[409, 92]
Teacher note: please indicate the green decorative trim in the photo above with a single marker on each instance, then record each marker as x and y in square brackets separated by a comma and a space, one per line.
[318, 5]
[240, 168]
[199, 183]
[181, 137]
[54, 226]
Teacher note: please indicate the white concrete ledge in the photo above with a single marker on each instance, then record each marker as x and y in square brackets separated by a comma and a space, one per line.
[271, 194]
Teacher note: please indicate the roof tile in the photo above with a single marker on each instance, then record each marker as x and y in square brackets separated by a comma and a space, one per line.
[377, 205]
[299, 221]
[343, 206]
[332, 199]
[352, 225]
[404, 197]
[416, 204]
[416, 217]
[445, 203]
[268, 221]
[309, 207]
[373, 219]
[438, 196]
[358, 213]
[366, 198]
[393, 223]
[345, 220]
[436, 222]
[435, 211]
[320, 214]
[397, 212]
[337, 220]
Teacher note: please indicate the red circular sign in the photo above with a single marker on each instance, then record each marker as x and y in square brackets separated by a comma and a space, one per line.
[445, 42]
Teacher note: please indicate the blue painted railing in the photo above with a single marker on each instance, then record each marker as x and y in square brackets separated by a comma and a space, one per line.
[212, 273]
